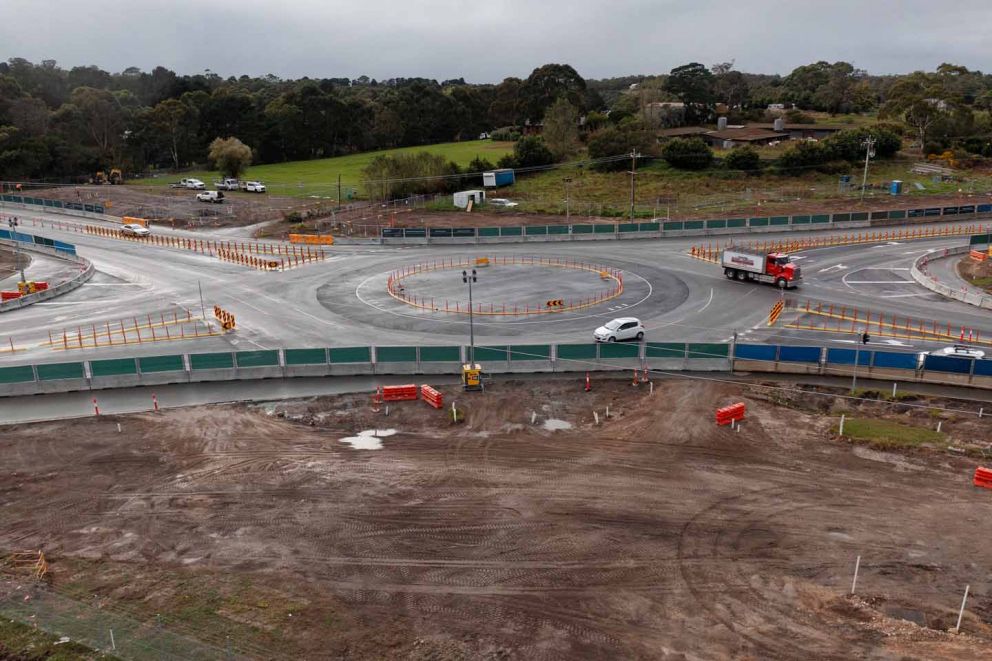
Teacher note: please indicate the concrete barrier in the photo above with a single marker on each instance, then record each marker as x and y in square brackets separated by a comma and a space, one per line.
[86, 272]
[919, 274]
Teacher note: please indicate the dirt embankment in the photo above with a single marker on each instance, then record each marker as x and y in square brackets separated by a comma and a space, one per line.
[977, 273]
[654, 534]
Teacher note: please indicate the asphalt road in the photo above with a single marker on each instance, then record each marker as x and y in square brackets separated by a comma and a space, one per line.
[343, 302]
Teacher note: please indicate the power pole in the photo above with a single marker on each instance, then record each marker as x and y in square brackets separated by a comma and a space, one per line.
[869, 145]
[633, 172]
[339, 191]
[568, 215]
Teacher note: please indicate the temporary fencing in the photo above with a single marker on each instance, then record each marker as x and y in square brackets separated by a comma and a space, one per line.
[136, 330]
[710, 252]
[397, 290]
[289, 255]
[432, 396]
[834, 318]
[730, 414]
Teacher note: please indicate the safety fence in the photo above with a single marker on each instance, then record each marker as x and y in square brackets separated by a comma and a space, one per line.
[397, 289]
[160, 327]
[660, 227]
[836, 318]
[33, 240]
[54, 205]
[711, 251]
[148, 370]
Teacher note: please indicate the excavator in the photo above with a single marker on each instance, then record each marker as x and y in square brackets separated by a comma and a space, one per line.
[115, 177]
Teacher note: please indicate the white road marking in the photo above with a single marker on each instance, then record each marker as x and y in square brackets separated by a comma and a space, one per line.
[880, 282]
[835, 267]
[896, 343]
[707, 302]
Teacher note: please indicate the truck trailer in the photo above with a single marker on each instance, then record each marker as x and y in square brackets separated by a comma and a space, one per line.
[751, 265]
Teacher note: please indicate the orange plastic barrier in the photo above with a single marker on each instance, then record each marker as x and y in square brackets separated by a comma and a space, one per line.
[729, 414]
[399, 393]
[312, 239]
[40, 286]
[983, 477]
[432, 396]
[8, 295]
[978, 256]
[131, 220]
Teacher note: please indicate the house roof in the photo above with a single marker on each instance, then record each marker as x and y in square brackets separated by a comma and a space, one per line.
[682, 130]
[806, 127]
[747, 134]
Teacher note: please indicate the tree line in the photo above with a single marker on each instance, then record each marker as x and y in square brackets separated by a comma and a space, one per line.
[58, 123]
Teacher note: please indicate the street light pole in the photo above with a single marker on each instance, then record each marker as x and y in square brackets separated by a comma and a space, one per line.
[12, 222]
[469, 279]
[633, 173]
[568, 215]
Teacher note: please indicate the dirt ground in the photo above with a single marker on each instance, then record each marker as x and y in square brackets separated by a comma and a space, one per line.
[977, 273]
[8, 262]
[654, 535]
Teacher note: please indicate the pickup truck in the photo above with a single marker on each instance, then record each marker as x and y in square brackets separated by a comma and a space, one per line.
[210, 196]
[227, 184]
[253, 186]
[191, 184]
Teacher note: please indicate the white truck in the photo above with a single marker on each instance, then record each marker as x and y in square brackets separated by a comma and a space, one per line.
[774, 267]
[227, 184]
[190, 184]
[253, 186]
[210, 196]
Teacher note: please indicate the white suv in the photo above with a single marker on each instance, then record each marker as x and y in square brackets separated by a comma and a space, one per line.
[624, 328]
[255, 187]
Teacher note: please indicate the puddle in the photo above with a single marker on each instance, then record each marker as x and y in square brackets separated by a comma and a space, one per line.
[553, 424]
[369, 439]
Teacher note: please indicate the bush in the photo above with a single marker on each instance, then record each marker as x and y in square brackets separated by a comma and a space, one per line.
[530, 151]
[745, 159]
[506, 134]
[612, 141]
[803, 157]
[687, 154]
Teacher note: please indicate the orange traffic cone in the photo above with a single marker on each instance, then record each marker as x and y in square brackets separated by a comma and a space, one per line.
[634, 382]
[588, 383]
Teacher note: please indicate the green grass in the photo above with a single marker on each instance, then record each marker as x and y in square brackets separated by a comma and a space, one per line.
[887, 434]
[20, 641]
[319, 177]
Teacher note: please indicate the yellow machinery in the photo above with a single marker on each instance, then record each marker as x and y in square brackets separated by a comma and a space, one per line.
[116, 176]
[99, 178]
[472, 377]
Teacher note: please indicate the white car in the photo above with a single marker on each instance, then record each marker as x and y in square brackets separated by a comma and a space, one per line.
[210, 196]
[955, 351]
[134, 229]
[193, 184]
[502, 202]
[618, 330]
[255, 187]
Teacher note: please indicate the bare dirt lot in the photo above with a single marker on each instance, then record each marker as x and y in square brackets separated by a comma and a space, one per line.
[8, 262]
[654, 535]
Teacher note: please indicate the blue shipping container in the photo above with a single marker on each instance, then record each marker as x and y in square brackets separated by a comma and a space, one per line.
[498, 178]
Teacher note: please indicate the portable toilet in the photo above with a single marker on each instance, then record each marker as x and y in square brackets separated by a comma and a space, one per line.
[462, 198]
[895, 188]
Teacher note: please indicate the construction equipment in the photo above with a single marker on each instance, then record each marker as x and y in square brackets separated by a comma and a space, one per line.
[472, 377]
[116, 176]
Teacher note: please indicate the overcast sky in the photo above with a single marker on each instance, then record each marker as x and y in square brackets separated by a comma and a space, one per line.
[488, 40]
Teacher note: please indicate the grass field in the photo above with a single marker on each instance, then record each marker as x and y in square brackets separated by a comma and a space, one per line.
[319, 177]
[884, 433]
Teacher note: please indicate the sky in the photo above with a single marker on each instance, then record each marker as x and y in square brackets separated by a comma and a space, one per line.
[486, 41]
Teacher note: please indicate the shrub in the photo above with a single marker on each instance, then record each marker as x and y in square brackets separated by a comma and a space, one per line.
[530, 151]
[506, 134]
[743, 158]
[687, 154]
[611, 141]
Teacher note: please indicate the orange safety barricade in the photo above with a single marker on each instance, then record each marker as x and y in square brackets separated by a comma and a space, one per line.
[432, 396]
[729, 414]
[983, 477]
[399, 393]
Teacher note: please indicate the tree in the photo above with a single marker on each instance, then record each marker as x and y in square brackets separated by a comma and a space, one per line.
[547, 84]
[530, 151]
[177, 124]
[744, 159]
[693, 84]
[611, 147]
[687, 153]
[920, 99]
[849, 145]
[230, 156]
[561, 129]
[730, 87]
[104, 119]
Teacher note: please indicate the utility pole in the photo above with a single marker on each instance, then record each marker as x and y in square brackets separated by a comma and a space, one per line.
[568, 215]
[633, 172]
[469, 279]
[12, 222]
[339, 191]
[869, 145]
